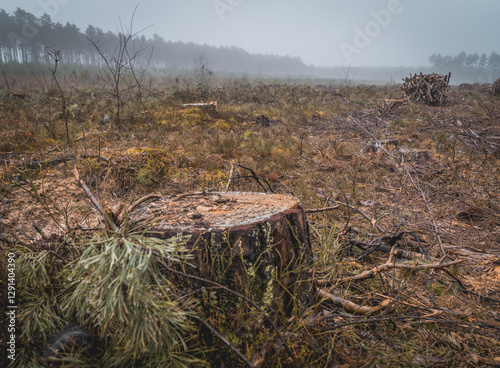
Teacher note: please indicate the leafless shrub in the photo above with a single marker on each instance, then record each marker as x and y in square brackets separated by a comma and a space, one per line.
[120, 65]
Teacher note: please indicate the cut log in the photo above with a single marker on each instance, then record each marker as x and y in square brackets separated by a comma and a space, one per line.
[254, 243]
[206, 106]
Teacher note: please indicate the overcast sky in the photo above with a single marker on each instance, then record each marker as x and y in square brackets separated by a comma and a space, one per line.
[320, 32]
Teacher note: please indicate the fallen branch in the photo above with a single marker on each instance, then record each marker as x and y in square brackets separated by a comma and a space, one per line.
[368, 218]
[391, 263]
[433, 311]
[400, 254]
[316, 210]
[231, 171]
[433, 222]
[141, 200]
[374, 245]
[107, 219]
[40, 164]
[350, 306]
[119, 213]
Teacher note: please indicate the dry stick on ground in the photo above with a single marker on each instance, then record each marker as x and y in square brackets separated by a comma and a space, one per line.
[43, 163]
[374, 244]
[324, 209]
[434, 225]
[368, 218]
[386, 249]
[122, 214]
[107, 219]
[391, 263]
[350, 306]
[231, 171]
[140, 200]
[424, 198]
[411, 320]
[424, 307]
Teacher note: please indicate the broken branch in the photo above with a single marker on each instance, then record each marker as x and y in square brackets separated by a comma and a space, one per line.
[350, 306]
[107, 219]
[391, 263]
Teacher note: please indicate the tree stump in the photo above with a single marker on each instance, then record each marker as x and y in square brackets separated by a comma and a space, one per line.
[257, 244]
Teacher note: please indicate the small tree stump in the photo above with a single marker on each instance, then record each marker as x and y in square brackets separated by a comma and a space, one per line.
[254, 243]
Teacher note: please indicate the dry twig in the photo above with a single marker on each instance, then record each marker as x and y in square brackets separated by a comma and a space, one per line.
[350, 306]
[325, 209]
[391, 263]
[107, 218]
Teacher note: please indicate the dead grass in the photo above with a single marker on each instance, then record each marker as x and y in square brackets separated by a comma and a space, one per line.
[308, 143]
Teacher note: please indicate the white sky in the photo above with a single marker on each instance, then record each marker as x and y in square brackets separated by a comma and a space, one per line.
[320, 32]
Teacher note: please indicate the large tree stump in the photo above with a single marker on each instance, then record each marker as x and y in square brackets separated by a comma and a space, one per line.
[254, 243]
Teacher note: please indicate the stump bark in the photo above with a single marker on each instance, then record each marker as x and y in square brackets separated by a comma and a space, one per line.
[254, 243]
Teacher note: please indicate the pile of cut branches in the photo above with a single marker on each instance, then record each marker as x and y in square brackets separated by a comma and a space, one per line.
[495, 89]
[427, 88]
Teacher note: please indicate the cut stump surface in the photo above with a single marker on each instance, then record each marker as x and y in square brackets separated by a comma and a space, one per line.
[214, 210]
[255, 243]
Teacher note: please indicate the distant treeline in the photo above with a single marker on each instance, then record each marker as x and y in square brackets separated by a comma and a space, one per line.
[24, 38]
[469, 67]
[464, 60]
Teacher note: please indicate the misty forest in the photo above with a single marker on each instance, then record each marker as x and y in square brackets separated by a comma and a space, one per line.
[170, 204]
[78, 50]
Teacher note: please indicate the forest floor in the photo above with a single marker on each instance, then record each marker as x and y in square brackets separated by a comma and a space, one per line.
[394, 175]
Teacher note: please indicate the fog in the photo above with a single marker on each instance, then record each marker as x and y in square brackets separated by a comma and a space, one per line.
[320, 32]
